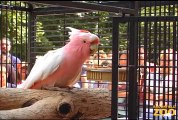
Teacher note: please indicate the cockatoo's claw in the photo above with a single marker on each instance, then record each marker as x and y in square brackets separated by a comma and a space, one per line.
[50, 88]
[65, 89]
[70, 88]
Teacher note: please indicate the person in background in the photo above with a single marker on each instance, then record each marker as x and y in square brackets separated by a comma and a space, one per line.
[123, 59]
[160, 83]
[165, 74]
[100, 60]
[5, 48]
[8, 75]
[108, 61]
[99, 57]
[3, 79]
[122, 86]
[87, 65]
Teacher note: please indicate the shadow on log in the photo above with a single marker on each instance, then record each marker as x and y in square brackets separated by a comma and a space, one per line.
[60, 103]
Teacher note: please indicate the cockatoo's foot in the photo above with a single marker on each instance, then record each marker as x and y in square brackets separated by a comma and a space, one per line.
[70, 87]
[52, 88]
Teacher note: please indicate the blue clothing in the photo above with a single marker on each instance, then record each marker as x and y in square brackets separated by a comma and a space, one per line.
[15, 60]
[12, 82]
[84, 70]
[11, 78]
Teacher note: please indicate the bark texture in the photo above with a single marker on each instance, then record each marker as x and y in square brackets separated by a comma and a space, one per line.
[54, 103]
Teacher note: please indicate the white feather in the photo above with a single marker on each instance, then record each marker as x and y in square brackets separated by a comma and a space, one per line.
[45, 66]
[73, 30]
[77, 32]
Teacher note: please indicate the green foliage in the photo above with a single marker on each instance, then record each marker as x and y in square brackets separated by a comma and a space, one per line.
[158, 35]
[14, 26]
[42, 44]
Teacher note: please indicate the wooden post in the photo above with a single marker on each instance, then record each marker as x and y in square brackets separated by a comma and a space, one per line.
[60, 103]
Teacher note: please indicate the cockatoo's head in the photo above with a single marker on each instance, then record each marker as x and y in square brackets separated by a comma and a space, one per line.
[84, 38]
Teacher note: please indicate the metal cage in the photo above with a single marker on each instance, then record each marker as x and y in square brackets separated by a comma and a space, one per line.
[145, 32]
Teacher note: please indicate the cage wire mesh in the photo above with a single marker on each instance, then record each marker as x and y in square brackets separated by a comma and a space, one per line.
[14, 32]
[158, 36]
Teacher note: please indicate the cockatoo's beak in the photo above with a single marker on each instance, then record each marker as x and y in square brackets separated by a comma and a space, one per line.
[93, 49]
[94, 44]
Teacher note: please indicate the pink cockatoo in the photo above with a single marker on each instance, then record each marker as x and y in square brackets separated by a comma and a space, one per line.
[62, 67]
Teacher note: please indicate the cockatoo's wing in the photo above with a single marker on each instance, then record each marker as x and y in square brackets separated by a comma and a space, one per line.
[76, 78]
[44, 66]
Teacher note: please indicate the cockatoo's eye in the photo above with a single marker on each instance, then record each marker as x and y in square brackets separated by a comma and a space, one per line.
[84, 41]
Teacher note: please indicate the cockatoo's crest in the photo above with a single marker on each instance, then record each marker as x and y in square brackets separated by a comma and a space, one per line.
[74, 31]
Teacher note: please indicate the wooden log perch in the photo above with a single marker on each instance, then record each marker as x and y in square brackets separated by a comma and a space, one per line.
[61, 103]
